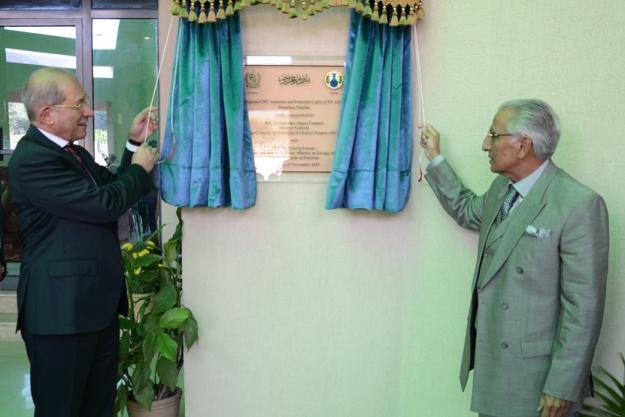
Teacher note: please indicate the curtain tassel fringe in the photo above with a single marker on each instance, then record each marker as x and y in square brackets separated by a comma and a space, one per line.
[183, 9]
[375, 15]
[211, 18]
[394, 20]
[229, 9]
[221, 14]
[175, 7]
[192, 17]
[383, 17]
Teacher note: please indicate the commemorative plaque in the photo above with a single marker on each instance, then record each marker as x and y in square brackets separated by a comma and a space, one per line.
[294, 112]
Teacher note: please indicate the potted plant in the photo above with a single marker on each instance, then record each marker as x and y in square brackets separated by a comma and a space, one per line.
[610, 394]
[157, 327]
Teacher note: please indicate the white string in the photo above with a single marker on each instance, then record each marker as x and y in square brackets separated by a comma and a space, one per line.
[158, 76]
[174, 78]
[417, 54]
[417, 57]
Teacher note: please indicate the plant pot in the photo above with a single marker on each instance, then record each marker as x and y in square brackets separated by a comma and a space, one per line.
[167, 407]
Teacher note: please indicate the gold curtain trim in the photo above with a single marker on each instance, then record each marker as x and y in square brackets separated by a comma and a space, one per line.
[385, 12]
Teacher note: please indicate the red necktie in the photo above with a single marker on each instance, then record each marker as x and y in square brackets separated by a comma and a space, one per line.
[72, 150]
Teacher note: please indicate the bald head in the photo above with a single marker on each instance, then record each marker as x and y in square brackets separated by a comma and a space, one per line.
[45, 87]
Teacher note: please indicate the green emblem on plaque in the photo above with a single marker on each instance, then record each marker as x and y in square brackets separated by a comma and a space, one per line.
[333, 80]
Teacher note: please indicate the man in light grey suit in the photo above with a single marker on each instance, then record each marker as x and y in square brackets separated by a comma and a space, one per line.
[539, 284]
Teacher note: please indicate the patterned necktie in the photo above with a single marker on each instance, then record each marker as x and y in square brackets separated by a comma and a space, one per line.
[508, 203]
[71, 149]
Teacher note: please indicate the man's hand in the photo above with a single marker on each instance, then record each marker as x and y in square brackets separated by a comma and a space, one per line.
[552, 406]
[145, 119]
[145, 156]
[430, 141]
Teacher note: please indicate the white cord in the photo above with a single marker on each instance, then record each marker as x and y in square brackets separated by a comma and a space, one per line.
[417, 57]
[158, 76]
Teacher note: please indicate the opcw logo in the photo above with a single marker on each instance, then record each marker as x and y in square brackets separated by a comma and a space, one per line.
[333, 80]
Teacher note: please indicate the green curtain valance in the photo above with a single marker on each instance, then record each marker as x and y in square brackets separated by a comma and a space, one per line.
[391, 12]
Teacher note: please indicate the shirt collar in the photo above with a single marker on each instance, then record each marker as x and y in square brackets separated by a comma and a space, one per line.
[54, 138]
[524, 186]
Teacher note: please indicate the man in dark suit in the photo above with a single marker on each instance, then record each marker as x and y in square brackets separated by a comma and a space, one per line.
[71, 286]
[539, 282]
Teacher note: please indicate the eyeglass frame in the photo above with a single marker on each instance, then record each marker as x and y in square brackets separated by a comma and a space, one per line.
[77, 107]
[492, 135]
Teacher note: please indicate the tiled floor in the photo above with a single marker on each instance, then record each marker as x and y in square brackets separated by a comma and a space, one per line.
[15, 400]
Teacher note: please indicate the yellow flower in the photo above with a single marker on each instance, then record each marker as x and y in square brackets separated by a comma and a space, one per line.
[138, 271]
[127, 246]
[144, 252]
[150, 244]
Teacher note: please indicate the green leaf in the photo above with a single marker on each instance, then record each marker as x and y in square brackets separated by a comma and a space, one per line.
[172, 319]
[167, 346]
[141, 376]
[171, 251]
[167, 372]
[146, 260]
[124, 347]
[190, 332]
[121, 399]
[148, 347]
[165, 299]
[615, 397]
[154, 236]
[147, 277]
[610, 405]
[619, 385]
[125, 323]
[145, 396]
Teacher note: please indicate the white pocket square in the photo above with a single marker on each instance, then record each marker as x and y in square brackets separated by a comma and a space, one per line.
[539, 232]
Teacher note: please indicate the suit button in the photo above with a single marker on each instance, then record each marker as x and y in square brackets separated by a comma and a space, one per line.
[504, 306]
[519, 269]
[504, 345]
[486, 254]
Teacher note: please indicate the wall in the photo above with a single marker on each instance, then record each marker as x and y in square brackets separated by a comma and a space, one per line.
[307, 312]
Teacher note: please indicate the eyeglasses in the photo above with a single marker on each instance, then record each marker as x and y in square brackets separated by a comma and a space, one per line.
[494, 135]
[77, 107]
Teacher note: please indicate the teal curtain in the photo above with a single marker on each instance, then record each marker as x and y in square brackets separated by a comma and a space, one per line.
[374, 145]
[207, 147]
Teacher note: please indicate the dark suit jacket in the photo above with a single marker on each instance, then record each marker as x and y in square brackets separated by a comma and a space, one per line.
[71, 278]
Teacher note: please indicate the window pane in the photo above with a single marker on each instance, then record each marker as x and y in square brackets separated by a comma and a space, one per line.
[125, 4]
[125, 51]
[22, 50]
[40, 5]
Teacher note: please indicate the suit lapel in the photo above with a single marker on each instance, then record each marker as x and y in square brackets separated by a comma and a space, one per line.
[490, 213]
[36, 136]
[521, 217]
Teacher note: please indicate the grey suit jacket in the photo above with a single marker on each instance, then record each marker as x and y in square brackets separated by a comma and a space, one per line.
[538, 289]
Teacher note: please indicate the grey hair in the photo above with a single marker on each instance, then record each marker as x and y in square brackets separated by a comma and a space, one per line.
[42, 89]
[536, 120]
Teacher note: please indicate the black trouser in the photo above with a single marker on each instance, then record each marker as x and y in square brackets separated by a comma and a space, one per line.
[74, 375]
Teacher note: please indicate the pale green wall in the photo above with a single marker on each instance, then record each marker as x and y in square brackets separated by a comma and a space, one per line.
[306, 312]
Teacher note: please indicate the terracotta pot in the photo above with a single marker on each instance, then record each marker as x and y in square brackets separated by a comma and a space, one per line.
[160, 408]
